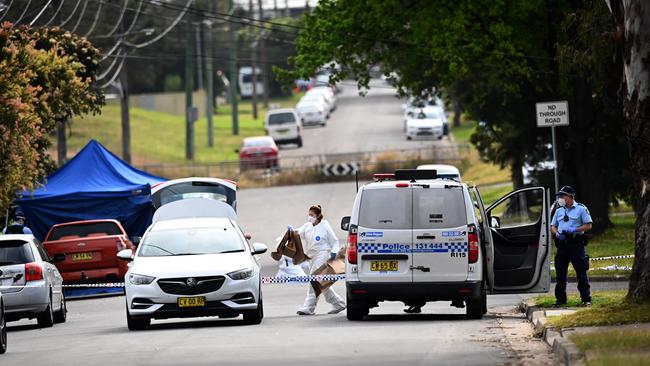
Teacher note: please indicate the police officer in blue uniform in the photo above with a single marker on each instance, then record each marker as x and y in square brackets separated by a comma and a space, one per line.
[570, 222]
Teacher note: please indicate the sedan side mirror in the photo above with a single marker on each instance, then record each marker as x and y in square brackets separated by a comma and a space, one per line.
[495, 222]
[125, 255]
[136, 240]
[259, 248]
[345, 223]
[58, 257]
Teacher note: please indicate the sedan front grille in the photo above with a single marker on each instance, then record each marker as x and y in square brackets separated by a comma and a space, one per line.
[187, 286]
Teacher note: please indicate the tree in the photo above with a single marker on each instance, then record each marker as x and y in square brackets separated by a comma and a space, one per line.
[48, 76]
[484, 54]
[632, 20]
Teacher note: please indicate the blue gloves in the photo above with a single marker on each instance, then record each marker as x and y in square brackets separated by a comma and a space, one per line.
[289, 228]
[560, 236]
[332, 256]
[570, 231]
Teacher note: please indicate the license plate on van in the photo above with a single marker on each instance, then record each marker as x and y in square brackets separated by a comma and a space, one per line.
[383, 266]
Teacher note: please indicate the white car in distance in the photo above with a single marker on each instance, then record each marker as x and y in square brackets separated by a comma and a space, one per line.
[193, 267]
[312, 113]
[424, 128]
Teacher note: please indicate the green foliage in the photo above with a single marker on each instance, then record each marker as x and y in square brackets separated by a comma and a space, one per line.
[173, 83]
[598, 298]
[47, 76]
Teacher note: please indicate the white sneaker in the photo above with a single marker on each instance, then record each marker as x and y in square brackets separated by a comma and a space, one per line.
[305, 312]
[337, 309]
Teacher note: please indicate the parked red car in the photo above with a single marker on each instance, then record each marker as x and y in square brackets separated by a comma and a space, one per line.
[258, 152]
[91, 249]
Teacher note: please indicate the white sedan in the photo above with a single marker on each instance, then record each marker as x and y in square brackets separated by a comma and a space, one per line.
[193, 267]
[424, 128]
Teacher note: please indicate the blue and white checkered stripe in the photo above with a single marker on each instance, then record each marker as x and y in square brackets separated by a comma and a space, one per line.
[457, 247]
[368, 247]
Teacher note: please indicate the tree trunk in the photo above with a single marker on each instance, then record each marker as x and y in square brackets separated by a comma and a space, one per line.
[61, 143]
[516, 174]
[458, 110]
[633, 20]
[124, 111]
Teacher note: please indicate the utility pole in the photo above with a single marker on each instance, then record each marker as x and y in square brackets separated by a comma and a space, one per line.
[190, 111]
[286, 9]
[199, 57]
[263, 66]
[233, 73]
[209, 81]
[61, 143]
[253, 47]
[124, 111]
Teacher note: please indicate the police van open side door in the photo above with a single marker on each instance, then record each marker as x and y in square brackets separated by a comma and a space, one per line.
[385, 234]
[485, 236]
[520, 235]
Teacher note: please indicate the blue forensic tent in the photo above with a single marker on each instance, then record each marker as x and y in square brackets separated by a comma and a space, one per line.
[95, 184]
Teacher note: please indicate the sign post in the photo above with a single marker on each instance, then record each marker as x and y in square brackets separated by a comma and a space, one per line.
[552, 114]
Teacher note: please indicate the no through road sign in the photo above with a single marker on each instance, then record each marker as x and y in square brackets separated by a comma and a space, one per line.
[552, 114]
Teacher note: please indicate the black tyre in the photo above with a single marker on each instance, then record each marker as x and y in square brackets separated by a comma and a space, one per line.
[356, 311]
[474, 308]
[46, 318]
[255, 316]
[299, 141]
[62, 315]
[3, 330]
[136, 323]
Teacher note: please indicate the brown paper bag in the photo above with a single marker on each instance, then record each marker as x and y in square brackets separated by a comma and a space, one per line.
[332, 267]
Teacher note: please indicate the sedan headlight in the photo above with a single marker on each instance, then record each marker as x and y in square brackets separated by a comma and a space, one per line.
[243, 274]
[137, 279]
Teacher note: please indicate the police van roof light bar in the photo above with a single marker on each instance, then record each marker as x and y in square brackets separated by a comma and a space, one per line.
[383, 176]
[415, 174]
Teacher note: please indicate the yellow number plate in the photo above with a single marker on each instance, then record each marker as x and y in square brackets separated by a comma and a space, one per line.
[191, 302]
[82, 257]
[383, 266]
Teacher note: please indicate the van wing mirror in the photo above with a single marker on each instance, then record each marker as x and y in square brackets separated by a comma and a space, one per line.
[495, 222]
[345, 223]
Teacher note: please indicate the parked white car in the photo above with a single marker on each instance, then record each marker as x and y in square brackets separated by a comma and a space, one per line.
[193, 267]
[312, 113]
[316, 98]
[424, 128]
[284, 126]
[444, 171]
[415, 238]
[30, 283]
[325, 91]
[427, 112]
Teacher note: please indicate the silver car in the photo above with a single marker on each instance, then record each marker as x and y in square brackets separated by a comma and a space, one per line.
[31, 285]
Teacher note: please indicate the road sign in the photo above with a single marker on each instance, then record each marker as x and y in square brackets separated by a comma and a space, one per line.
[551, 114]
[339, 169]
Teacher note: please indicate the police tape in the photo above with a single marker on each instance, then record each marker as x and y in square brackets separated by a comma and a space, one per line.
[265, 280]
[612, 257]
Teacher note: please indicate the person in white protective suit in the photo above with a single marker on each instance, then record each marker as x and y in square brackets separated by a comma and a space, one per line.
[320, 244]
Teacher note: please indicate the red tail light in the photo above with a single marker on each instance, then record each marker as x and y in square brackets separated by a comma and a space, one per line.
[352, 246]
[33, 272]
[472, 241]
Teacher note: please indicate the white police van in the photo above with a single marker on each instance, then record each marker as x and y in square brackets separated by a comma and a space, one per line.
[415, 238]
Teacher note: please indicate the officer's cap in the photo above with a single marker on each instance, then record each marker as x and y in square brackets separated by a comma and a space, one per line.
[566, 190]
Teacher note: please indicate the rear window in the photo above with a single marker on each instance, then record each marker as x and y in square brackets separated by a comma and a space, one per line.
[386, 209]
[15, 252]
[280, 118]
[187, 190]
[438, 208]
[83, 230]
[257, 143]
[247, 78]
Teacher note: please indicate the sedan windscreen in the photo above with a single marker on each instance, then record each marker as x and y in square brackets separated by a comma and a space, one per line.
[280, 118]
[15, 252]
[191, 241]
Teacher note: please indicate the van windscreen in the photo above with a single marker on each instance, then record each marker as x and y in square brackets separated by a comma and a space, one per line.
[280, 118]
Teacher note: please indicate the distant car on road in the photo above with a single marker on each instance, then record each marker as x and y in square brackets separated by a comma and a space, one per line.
[312, 113]
[217, 189]
[31, 285]
[427, 112]
[193, 267]
[424, 128]
[3, 327]
[258, 153]
[90, 248]
[284, 126]
[444, 171]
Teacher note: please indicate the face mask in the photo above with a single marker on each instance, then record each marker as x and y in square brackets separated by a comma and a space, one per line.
[561, 202]
[311, 219]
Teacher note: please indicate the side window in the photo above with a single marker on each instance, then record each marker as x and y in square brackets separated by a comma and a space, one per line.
[520, 209]
[42, 251]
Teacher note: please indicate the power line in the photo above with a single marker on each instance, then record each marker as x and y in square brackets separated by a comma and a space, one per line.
[92, 27]
[55, 13]
[81, 16]
[40, 13]
[119, 19]
[7, 10]
[23, 13]
[161, 35]
[71, 14]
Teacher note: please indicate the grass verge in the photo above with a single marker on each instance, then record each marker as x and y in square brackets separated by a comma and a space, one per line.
[615, 347]
[598, 298]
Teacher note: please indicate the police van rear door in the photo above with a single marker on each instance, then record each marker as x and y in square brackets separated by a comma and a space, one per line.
[384, 233]
[520, 234]
[440, 239]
